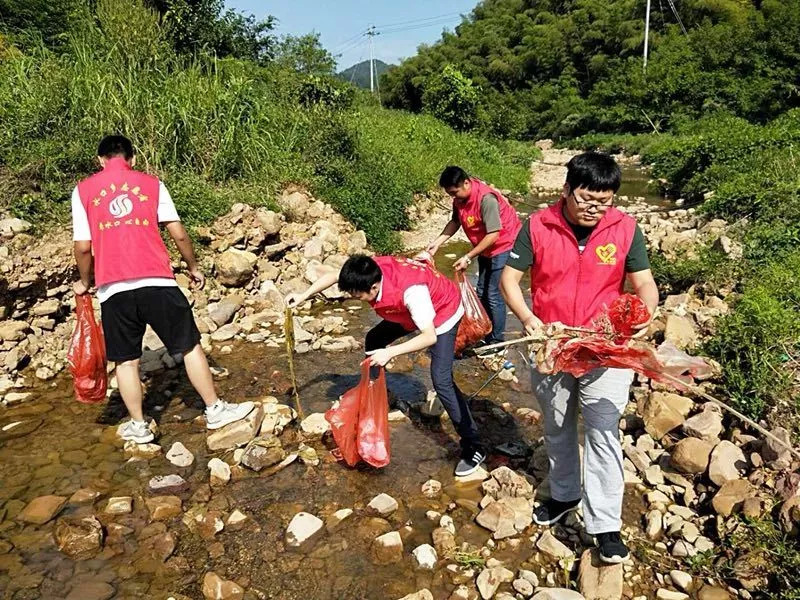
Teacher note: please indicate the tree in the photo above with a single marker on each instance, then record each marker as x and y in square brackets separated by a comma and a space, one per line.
[196, 25]
[451, 97]
[305, 54]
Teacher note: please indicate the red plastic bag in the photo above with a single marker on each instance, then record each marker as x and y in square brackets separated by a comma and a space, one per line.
[87, 354]
[373, 421]
[475, 325]
[626, 312]
[360, 424]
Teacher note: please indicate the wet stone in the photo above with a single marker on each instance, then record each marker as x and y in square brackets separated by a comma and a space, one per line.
[220, 472]
[40, 510]
[262, 455]
[387, 548]
[383, 505]
[238, 433]
[216, 588]
[164, 507]
[425, 557]
[179, 455]
[79, 538]
[491, 579]
[337, 518]
[141, 451]
[303, 530]
[168, 484]
[120, 505]
[91, 590]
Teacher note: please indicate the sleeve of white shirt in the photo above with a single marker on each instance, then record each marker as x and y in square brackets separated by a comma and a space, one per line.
[166, 207]
[417, 299]
[81, 232]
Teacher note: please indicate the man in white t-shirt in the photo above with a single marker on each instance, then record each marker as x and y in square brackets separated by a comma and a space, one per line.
[115, 218]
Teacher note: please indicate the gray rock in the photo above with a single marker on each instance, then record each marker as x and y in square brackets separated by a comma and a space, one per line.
[727, 459]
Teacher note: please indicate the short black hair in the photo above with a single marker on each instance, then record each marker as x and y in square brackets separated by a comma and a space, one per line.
[593, 171]
[115, 145]
[359, 273]
[452, 176]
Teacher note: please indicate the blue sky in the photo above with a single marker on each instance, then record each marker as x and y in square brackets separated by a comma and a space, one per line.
[404, 24]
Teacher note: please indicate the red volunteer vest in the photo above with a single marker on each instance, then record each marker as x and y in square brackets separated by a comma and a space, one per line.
[399, 274]
[469, 213]
[570, 286]
[122, 206]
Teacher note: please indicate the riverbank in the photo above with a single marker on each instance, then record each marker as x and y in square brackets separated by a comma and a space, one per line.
[235, 518]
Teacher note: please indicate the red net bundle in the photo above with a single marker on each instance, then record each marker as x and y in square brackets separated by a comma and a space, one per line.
[475, 325]
[614, 348]
[87, 354]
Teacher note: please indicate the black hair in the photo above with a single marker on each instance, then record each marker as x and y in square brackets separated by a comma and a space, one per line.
[115, 145]
[452, 177]
[593, 171]
[359, 273]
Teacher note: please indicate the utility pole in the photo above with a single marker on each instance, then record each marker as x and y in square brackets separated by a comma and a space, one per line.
[646, 35]
[371, 33]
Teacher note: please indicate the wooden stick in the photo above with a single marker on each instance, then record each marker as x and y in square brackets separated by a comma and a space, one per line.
[733, 411]
[288, 325]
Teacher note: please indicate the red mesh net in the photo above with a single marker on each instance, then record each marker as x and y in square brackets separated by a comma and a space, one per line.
[610, 346]
[475, 325]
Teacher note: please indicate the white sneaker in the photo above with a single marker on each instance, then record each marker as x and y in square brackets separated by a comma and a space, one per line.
[135, 431]
[222, 413]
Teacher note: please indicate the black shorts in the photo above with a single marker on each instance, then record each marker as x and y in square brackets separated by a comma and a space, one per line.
[126, 314]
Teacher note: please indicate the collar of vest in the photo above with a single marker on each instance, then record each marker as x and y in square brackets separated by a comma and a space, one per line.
[554, 216]
[116, 163]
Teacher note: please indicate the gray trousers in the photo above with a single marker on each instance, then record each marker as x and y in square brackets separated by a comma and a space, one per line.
[602, 395]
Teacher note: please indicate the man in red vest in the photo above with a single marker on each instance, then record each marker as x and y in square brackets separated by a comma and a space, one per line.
[409, 295]
[580, 252]
[115, 217]
[491, 225]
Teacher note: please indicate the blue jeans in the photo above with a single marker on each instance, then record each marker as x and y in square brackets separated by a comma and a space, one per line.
[442, 357]
[489, 271]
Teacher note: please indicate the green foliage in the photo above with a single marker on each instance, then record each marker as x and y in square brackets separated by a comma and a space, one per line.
[451, 97]
[305, 54]
[757, 549]
[552, 68]
[204, 25]
[217, 131]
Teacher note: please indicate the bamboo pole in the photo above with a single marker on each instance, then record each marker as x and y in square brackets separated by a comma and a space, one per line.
[288, 326]
[696, 390]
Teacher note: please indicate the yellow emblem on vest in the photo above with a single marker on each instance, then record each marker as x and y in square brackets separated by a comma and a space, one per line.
[606, 254]
[470, 220]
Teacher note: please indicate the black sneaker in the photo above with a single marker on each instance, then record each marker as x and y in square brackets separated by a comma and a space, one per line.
[471, 460]
[612, 549]
[551, 511]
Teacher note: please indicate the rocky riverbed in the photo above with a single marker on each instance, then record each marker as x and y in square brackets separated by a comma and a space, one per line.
[262, 509]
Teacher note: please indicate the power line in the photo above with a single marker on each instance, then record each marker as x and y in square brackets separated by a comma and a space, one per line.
[385, 25]
[677, 16]
[403, 29]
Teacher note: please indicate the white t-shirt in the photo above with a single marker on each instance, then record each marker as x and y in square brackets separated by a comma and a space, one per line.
[417, 299]
[81, 232]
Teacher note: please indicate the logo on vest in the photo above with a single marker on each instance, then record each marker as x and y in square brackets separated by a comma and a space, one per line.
[470, 220]
[120, 206]
[606, 254]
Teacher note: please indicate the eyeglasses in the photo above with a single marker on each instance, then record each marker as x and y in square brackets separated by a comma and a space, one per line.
[596, 206]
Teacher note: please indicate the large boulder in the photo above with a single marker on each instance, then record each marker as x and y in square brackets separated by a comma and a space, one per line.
[691, 455]
[238, 433]
[663, 412]
[79, 537]
[235, 267]
[705, 425]
[223, 312]
[727, 459]
[599, 581]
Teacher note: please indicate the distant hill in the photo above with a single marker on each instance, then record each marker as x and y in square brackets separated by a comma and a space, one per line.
[359, 73]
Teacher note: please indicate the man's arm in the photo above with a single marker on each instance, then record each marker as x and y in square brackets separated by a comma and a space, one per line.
[645, 287]
[182, 240]
[452, 227]
[512, 292]
[329, 277]
[83, 257]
